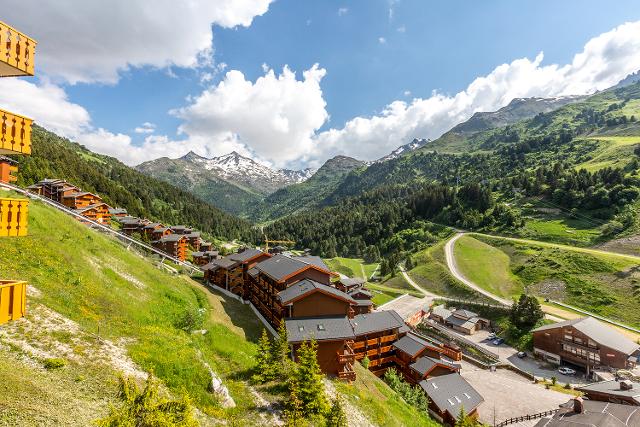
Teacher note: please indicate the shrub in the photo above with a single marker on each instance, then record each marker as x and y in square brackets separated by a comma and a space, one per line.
[55, 363]
[192, 319]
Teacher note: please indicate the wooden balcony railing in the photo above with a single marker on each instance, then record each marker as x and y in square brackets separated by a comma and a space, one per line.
[13, 300]
[15, 133]
[347, 373]
[17, 52]
[13, 217]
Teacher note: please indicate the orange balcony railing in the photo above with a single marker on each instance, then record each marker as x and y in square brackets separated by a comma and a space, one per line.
[13, 217]
[15, 133]
[13, 300]
[17, 52]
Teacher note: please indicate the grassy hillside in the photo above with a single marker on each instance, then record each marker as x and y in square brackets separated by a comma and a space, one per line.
[352, 267]
[122, 186]
[486, 266]
[608, 285]
[102, 309]
[382, 405]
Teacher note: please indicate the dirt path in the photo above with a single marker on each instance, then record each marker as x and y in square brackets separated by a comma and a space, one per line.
[415, 285]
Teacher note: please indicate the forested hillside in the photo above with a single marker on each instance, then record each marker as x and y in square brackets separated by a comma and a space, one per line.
[579, 163]
[122, 186]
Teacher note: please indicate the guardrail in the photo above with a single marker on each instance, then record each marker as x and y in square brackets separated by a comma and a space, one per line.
[461, 339]
[596, 316]
[526, 418]
[100, 226]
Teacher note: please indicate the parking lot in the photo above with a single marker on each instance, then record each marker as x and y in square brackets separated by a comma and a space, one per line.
[528, 364]
[507, 394]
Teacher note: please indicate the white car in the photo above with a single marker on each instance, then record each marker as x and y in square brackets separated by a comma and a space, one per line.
[566, 371]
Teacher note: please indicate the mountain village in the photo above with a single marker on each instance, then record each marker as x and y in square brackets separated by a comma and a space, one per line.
[580, 369]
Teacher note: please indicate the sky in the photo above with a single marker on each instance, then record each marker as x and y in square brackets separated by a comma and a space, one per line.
[291, 83]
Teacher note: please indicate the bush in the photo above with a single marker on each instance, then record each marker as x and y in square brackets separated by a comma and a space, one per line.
[191, 320]
[55, 363]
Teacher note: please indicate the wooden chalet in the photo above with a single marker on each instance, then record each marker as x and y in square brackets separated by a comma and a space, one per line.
[160, 232]
[615, 391]
[98, 212]
[204, 257]
[180, 229]
[586, 343]
[149, 228]
[194, 240]
[173, 244]
[131, 225]
[81, 199]
[8, 167]
[232, 271]
[206, 246]
[448, 394]
[54, 189]
[118, 212]
[418, 359]
[460, 320]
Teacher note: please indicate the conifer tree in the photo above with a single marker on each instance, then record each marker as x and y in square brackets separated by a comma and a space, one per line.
[309, 380]
[336, 416]
[465, 420]
[293, 412]
[264, 363]
[280, 361]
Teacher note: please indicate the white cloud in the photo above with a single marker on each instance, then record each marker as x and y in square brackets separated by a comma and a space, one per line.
[343, 11]
[605, 60]
[407, 93]
[382, 40]
[273, 119]
[94, 41]
[147, 127]
[277, 118]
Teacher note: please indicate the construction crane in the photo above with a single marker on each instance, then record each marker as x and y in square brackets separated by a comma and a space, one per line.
[267, 241]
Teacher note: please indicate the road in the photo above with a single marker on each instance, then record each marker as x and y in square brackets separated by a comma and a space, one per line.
[453, 268]
[415, 285]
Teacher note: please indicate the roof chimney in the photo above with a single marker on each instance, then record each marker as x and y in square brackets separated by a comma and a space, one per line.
[577, 405]
[626, 385]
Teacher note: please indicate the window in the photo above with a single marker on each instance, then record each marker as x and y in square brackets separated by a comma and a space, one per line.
[592, 343]
[577, 340]
[321, 327]
[467, 396]
[450, 402]
[568, 337]
[435, 386]
[300, 328]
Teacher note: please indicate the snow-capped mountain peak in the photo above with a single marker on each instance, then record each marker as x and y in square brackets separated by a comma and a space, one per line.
[403, 149]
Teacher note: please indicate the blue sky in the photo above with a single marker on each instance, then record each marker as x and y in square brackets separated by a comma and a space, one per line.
[370, 53]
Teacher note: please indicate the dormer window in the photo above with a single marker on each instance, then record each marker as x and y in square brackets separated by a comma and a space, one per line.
[321, 327]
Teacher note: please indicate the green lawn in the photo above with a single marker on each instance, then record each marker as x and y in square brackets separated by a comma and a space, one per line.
[565, 231]
[613, 151]
[486, 266]
[352, 267]
[94, 281]
[604, 284]
[432, 274]
[381, 405]
[387, 291]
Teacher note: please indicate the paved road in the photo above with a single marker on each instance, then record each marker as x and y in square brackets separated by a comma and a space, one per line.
[416, 286]
[453, 268]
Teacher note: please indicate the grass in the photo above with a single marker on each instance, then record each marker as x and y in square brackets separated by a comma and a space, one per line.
[608, 285]
[559, 387]
[381, 405]
[486, 266]
[612, 151]
[432, 274]
[352, 267]
[383, 293]
[94, 281]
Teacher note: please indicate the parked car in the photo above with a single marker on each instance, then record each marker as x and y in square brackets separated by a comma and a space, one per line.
[498, 341]
[492, 336]
[566, 371]
[521, 354]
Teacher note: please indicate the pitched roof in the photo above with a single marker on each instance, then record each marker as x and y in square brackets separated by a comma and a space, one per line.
[364, 292]
[245, 255]
[280, 266]
[314, 260]
[116, 211]
[352, 281]
[197, 254]
[4, 159]
[411, 344]
[90, 207]
[318, 328]
[598, 332]
[441, 311]
[594, 413]
[171, 238]
[424, 364]
[612, 387]
[376, 322]
[451, 392]
[465, 313]
[154, 225]
[308, 286]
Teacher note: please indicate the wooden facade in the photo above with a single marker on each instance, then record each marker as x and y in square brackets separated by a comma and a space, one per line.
[8, 169]
[174, 245]
[13, 217]
[13, 300]
[98, 213]
[80, 200]
[586, 343]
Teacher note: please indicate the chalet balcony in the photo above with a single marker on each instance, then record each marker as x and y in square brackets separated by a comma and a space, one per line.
[15, 133]
[13, 217]
[13, 300]
[17, 52]
[347, 373]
